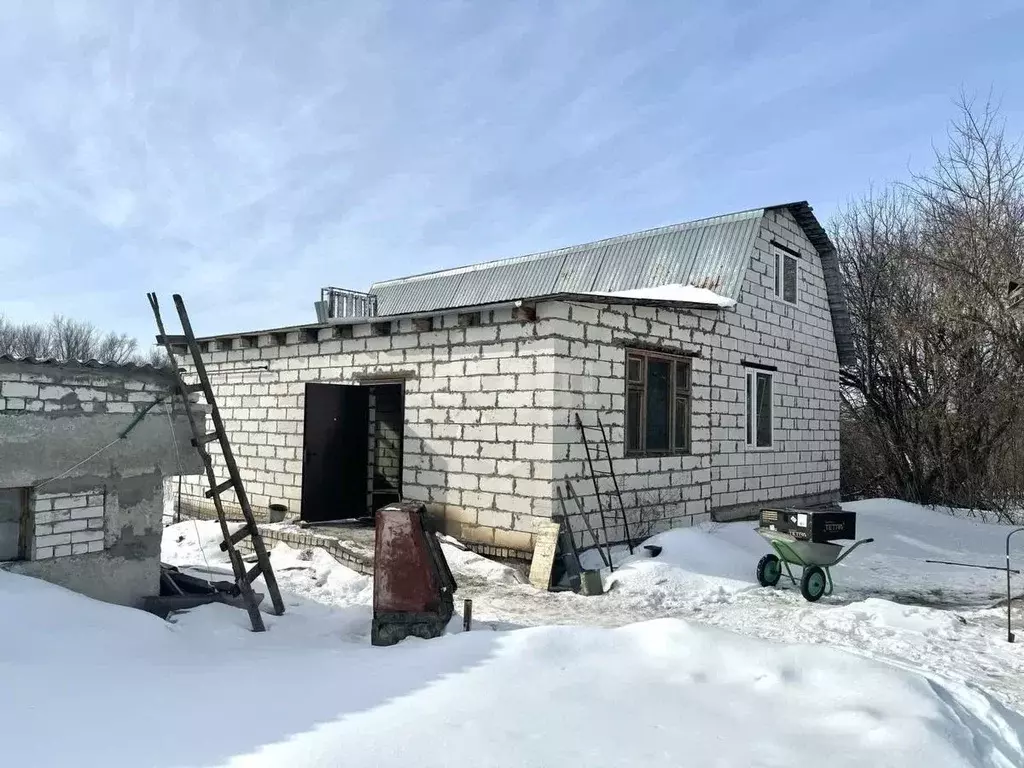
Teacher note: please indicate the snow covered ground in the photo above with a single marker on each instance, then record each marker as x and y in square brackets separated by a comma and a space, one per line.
[889, 604]
[645, 675]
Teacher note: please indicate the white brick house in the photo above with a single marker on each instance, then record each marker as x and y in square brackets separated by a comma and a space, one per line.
[481, 371]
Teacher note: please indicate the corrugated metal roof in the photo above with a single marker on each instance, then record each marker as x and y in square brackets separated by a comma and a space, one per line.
[96, 365]
[709, 253]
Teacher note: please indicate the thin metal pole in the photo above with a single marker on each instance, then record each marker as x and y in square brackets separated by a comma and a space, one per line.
[1009, 597]
[570, 493]
[615, 483]
[970, 565]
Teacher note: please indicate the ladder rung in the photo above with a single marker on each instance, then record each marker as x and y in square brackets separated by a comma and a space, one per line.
[220, 489]
[235, 537]
[254, 573]
[207, 438]
[191, 389]
[174, 341]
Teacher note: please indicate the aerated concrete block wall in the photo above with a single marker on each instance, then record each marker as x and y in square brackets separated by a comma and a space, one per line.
[478, 416]
[802, 468]
[592, 342]
[721, 477]
[96, 528]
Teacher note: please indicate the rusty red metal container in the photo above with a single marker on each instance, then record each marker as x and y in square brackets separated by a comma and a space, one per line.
[413, 586]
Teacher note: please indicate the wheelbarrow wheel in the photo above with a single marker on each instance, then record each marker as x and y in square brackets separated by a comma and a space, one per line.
[813, 583]
[769, 570]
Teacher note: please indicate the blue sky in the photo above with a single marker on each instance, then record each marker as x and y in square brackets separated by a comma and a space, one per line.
[245, 154]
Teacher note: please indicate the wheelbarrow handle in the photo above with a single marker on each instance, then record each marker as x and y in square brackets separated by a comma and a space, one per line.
[853, 547]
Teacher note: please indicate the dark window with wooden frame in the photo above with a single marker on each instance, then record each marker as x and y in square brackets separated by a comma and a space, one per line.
[14, 524]
[657, 403]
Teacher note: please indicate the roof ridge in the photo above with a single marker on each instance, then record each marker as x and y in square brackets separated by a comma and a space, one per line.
[537, 255]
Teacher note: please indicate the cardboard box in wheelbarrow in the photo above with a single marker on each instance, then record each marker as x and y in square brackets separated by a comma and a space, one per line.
[818, 526]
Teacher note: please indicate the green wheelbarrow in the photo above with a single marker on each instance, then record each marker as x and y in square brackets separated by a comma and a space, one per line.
[815, 558]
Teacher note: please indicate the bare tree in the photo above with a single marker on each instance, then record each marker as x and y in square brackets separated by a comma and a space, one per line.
[8, 332]
[32, 340]
[71, 339]
[117, 348]
[971, 209]
[66, 339]
[930, 406]
[157, 357]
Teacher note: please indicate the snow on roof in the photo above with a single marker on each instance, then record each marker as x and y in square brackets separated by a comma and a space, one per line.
[684, 294]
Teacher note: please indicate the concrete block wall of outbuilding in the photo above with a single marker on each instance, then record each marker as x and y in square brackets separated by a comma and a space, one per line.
[93, 528]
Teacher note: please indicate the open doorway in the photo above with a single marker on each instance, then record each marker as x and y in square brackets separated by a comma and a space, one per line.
[387, 423]
[352, 449]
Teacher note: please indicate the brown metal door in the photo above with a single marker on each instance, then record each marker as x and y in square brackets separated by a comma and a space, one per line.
[335, 452]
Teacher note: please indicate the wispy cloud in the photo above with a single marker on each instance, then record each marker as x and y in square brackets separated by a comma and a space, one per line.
[246, 153]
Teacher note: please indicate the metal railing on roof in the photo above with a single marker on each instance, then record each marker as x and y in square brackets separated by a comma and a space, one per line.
[339, 302]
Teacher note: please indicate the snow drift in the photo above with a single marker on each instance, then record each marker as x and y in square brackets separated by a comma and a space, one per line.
[721, 558]
[659, 693]
[663, 692]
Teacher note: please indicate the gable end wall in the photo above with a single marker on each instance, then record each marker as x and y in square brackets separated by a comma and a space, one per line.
[803, 466]
[721, 477]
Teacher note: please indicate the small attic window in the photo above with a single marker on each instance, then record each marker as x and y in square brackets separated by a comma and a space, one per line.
[786, 275]
[381, 329]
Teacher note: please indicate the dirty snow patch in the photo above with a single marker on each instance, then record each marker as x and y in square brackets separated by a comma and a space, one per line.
[465, 564]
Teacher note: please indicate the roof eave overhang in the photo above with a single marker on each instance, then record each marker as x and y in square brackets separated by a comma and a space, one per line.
[583, 298]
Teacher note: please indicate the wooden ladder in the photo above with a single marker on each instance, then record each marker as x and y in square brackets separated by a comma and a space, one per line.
[243, 578]
[597, 449]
